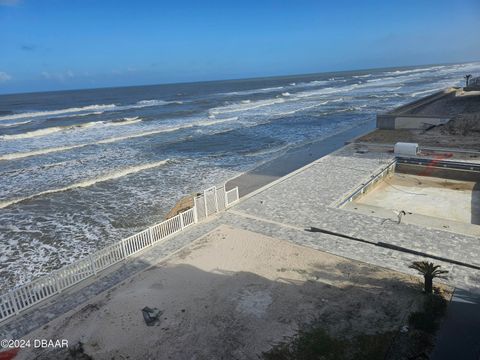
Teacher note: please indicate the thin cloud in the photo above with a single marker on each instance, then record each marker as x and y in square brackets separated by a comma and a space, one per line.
[26, 47]
[59, 76]
[4, 76]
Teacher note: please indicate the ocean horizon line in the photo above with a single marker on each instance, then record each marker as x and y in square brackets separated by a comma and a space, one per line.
[234, 79]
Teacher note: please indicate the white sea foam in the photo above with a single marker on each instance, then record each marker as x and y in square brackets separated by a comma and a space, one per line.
[88, 182]
[291, 112]
[87, 114]
[361, 76]
[48, 131]
[254, 91]
[142, 134]
[268, 151]
[55, 129]
[314, 83]
[16, 123]
[21, 155]
[326, 91]
[381, 79]
[387, 95]
[147, 103]
[85, 110]
[218, 121]
[415, 94]
[30, 134]
[245, 106]
[125, 121]
[52, 113]
[412, 71]
[389, 80]
[165, 130]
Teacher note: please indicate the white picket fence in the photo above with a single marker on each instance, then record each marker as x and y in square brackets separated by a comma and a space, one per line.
[211, 201]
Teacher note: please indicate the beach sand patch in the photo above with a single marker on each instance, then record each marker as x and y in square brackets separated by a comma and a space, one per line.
[234, 294]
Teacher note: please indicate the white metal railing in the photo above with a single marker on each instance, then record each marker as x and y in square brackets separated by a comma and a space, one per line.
[231, 196]
[212, 201]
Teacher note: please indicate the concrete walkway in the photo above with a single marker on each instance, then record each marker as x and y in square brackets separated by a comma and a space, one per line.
[459, 336]
[293, 160]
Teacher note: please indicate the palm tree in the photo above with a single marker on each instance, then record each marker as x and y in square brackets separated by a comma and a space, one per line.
[429, 271]
[467, 79]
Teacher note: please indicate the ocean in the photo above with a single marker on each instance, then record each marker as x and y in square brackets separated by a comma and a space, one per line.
[82, 169]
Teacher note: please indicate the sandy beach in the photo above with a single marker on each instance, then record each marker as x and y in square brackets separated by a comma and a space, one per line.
[234, 294]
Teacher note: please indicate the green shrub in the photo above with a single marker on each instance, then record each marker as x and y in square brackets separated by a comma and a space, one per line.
[435, 304]
[434, 308]
[311, 344]
[372, 347]
[315, 343]
[423, 321]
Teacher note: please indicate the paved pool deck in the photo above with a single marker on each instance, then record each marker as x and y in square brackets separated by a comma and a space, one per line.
[284, 209]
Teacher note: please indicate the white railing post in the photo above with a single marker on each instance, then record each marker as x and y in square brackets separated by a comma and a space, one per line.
[57, 281]
[182, 225]
[215, 196]
[124, 250]
[92, 263]
[195, 215]
[14, 303]
[205, 201]
[150, 235]
[236, 192]
[225, 200]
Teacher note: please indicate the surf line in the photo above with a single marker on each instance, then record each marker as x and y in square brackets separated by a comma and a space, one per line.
[88, 182]
[21, 155]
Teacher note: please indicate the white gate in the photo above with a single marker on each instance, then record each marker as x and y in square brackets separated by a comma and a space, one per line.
[221, 199]
[210, 196]
[200, 207]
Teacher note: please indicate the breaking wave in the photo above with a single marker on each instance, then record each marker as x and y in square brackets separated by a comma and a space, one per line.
[86, 110]
[412, 71]
[60, 112]
[254, 91]
[326, 91]
[48, 131]
[415, 94]
[245, 105]
[361, 76]
[16, 123]
[89, 182]
[55, 129]
[294, 111]
[125, 121]
[21, 155]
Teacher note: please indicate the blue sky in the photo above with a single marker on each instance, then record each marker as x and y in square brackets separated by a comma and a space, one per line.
[69, 44]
